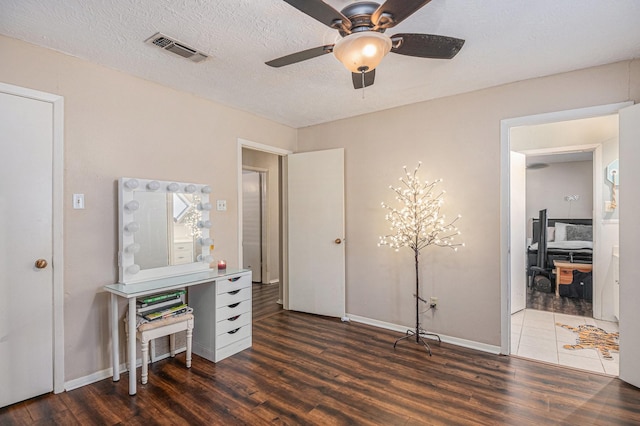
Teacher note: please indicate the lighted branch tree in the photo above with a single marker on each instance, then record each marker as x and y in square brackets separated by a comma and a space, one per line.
[417, 225]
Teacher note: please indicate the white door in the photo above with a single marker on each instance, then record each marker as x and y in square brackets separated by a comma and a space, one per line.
[26, 291]
[518, 232]
[251, 224]
[316, 232]
[629, 245]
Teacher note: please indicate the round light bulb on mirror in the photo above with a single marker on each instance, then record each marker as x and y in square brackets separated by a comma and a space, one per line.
[205, 206]
[205, 241]
[154, 185]
[133, 248]
[132, 227]
[133, 269]
[204, 224]
[189, 189]
[206, 189]
[173, 187]
[131, 184]
[132, 205]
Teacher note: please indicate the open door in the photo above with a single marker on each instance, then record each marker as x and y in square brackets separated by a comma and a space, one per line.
[316, 253]
[518, 232]
[629, 245]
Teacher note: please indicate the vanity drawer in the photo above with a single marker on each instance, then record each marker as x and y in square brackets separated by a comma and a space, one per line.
[230, 284]
[233, 310]
[182, 253]
[226, 299]
[232, 323]
[233, 335]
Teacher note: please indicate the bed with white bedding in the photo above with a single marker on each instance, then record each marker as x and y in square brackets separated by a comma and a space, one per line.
[568, 240]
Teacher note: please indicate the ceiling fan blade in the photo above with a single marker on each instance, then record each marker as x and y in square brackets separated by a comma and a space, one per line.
[322, 12]
[368, 79]
[300, 56]
[426, 45]
[392, 12]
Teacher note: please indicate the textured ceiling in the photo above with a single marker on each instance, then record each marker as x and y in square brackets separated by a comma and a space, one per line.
[506, 41]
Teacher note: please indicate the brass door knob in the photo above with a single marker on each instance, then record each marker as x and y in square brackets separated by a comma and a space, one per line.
[41, 263]
[338, 241]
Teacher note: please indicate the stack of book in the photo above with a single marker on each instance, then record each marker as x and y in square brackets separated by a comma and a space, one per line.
[161, 305]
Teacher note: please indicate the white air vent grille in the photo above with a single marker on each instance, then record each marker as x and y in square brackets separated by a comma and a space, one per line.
[177, 47]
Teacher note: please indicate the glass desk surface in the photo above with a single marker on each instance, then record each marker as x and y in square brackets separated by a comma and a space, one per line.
[169, 283]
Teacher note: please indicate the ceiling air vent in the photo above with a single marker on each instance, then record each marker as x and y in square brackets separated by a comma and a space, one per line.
[174, 46]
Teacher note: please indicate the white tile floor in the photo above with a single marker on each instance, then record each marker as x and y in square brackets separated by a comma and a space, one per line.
[535, 335]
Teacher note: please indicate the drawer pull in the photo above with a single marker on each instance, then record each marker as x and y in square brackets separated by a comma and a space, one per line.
[234, 305]
[233, 318]
[233, 331]
[233, 280]
[234, 292]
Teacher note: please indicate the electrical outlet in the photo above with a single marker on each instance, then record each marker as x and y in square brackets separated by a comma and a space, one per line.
[433, 301]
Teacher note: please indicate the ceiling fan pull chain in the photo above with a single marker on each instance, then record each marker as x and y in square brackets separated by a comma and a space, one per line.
[362, 72]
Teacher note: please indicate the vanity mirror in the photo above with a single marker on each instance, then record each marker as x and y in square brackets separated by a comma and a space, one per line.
[163, 229]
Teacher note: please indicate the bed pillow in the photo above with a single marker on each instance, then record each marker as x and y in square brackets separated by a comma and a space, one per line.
[551, 233]
[579, 233]
[561, 231]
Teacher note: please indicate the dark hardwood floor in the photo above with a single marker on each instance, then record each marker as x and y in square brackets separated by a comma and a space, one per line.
[563, 305]
[265, 300]
[310, 370]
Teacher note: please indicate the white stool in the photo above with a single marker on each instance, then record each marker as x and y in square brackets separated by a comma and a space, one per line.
[168, 326]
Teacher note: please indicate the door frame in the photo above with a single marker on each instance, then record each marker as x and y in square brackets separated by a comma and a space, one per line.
[505, 168]
[57, 188]
[284, 238]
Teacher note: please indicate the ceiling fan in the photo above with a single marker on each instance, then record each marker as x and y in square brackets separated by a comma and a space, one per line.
[363, 44]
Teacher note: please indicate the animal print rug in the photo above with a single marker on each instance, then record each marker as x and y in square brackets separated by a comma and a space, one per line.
[592, 337]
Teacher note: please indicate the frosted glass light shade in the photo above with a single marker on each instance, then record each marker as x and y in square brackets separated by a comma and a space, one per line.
[154, 185]
[362, 51]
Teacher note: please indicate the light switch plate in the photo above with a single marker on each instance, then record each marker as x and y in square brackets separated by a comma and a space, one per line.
[221, 205]
[78, 201]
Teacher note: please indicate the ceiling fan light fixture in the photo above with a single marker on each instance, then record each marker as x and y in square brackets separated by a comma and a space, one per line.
[362, 51]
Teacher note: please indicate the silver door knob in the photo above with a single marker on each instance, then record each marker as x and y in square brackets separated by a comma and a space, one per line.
[41, 263]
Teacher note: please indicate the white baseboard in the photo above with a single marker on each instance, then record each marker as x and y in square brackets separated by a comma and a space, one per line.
[447, 339]
[106, 373]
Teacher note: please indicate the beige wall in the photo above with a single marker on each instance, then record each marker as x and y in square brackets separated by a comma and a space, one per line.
[457, 139]
[546, 189]
[118, 125]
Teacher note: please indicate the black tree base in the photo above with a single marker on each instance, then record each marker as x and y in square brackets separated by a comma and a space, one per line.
[418, 335]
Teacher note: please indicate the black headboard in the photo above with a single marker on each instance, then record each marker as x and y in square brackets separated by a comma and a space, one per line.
[552, 222]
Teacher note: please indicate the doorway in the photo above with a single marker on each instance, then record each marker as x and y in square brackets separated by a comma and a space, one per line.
[591, 142]
[260, 183]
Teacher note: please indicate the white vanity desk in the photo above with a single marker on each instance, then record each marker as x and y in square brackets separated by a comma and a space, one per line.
[214, 298]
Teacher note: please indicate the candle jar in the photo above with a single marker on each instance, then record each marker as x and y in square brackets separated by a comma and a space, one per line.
[222, 265]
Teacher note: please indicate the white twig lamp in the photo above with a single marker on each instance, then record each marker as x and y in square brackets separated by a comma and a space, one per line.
[418, 224]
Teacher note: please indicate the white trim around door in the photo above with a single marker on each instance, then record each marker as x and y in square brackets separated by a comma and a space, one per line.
[505, 167]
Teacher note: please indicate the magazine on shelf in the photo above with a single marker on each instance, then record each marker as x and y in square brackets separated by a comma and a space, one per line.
[159, 306]
[157, 298]
[166, 313]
